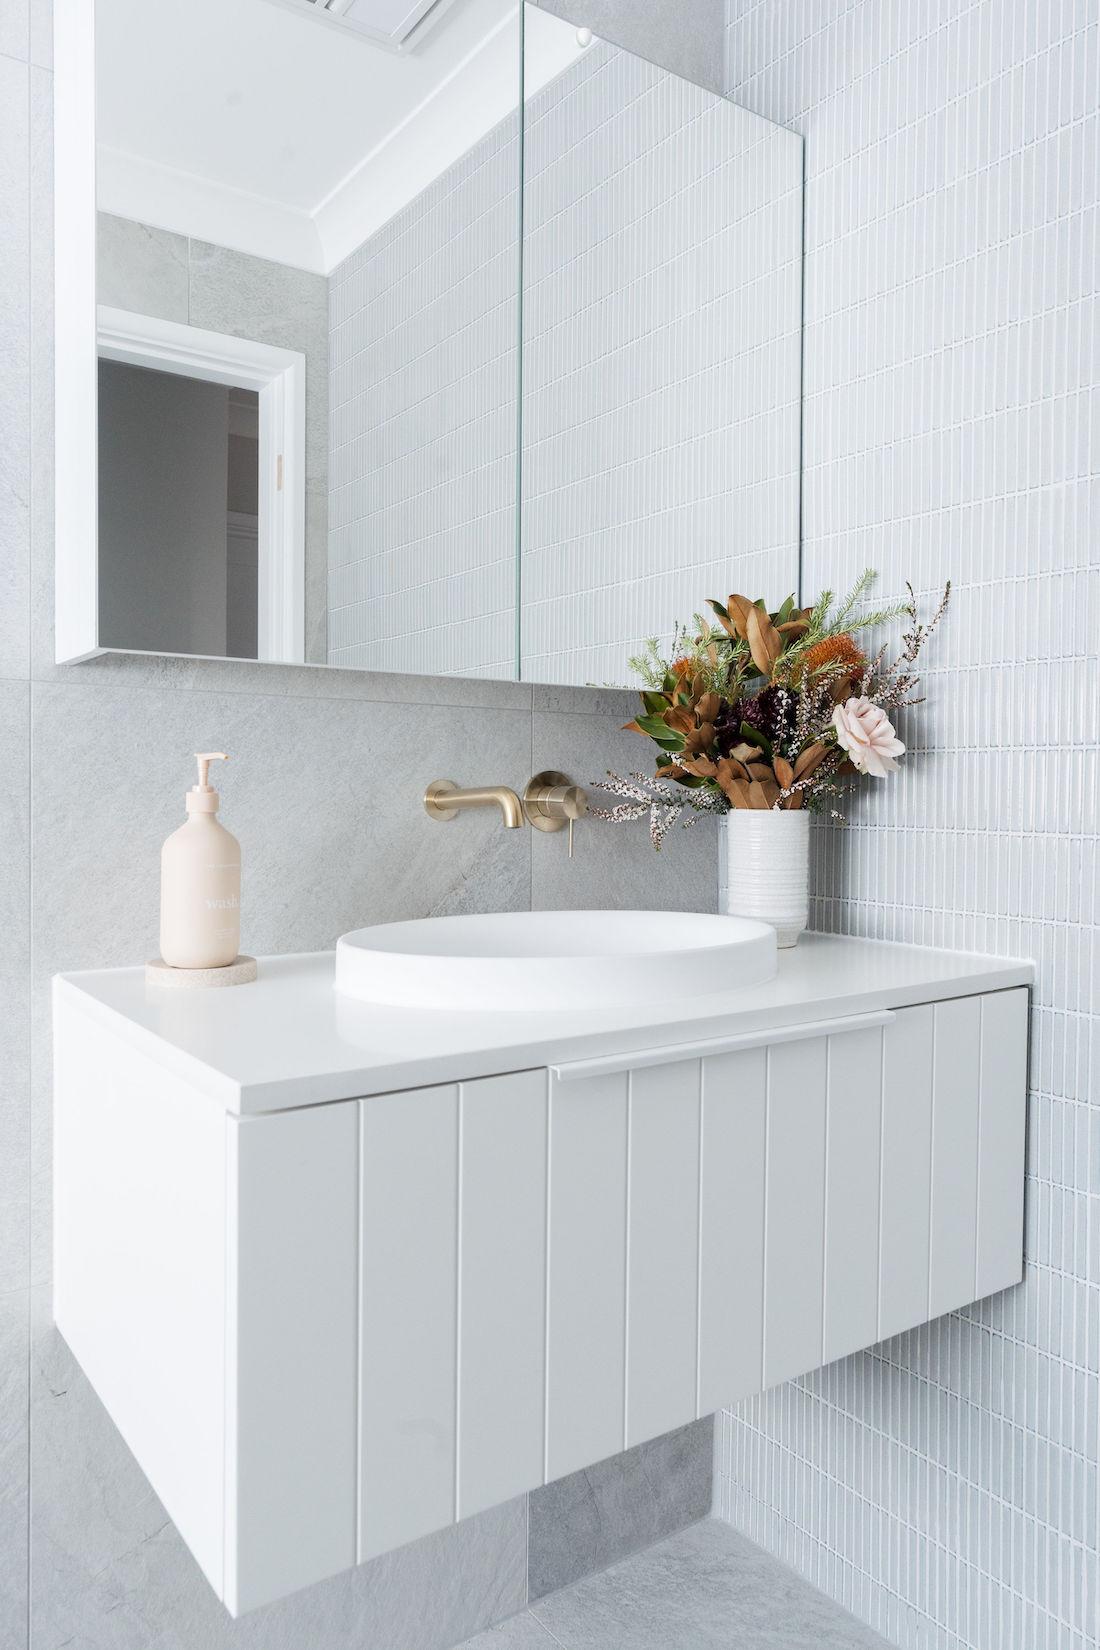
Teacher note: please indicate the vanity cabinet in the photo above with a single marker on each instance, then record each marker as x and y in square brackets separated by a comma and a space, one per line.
[326, 1330]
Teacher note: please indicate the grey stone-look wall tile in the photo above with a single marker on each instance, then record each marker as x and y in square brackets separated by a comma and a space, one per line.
[41, 357]
[109, 1571]
[15, 379]
[614, 865]
[140, 268]
[613, 703]
[14, 982]
[14, 1468]
[593, 1518]
[325, 797]
[15, 30]
[180, 673]
[689, 41]
[522, 1632]
[41, 33]
[704, 1589]
[40, 593]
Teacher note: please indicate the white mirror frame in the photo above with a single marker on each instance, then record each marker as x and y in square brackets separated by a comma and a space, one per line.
[84, 332]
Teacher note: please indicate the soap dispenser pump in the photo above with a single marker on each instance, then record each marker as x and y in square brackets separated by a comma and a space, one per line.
[200, 882]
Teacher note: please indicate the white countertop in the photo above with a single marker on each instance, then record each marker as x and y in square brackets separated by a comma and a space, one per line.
[289, 1040]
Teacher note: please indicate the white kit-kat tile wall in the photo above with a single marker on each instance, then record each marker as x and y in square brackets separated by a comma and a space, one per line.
[661, 277]
[945, 1486]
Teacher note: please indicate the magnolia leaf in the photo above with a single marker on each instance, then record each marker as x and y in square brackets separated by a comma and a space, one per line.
[783, 772]
[758, 797]
[739, 609]
[795, 800]
[736, 790]
[758, 771]
[744, 752]
[654, 726]
[755, 737]
[765, 642]
[808, 760]
[723, 617]
[679, 720]
[707, 708]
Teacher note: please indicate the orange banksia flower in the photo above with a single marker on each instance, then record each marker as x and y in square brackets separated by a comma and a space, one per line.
[835, 650]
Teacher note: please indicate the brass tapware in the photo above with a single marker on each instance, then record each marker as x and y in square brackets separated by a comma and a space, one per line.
[444, 800]
[552, 802]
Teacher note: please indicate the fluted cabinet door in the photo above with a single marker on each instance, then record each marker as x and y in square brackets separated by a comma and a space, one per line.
[794, 1221]
[501, 1287]
[906, 1170]
[663, 1249]
[408, 1194]
[953, 1205]
[586, 1277]
[731, 1228]
[853, 1145]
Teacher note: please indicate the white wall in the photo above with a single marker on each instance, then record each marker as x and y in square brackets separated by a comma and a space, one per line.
[945, 1486]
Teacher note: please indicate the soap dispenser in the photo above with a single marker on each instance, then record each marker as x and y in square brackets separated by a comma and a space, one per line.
[200, 883]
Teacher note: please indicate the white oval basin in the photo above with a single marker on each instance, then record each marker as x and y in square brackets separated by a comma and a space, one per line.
[553, 959]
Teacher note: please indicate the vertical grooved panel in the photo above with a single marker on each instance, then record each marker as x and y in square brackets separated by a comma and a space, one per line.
[408, 1315]
[502, 1281]
[853, 1132]
[586, 1310]
[795, 1210]
[731, 1215]
[953, 1211]
[292, 1515]
[663, 1249]
[1002, 1117]
[906, 1170]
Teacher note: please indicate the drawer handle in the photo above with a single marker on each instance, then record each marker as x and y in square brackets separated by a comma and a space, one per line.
[606, 1065]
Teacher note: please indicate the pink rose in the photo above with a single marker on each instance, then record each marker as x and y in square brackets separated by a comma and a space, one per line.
[865, 731]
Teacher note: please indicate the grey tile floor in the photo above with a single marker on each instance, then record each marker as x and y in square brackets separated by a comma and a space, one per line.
[706, 1588]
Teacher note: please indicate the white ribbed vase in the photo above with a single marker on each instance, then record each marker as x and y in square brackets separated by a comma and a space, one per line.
[768, 868]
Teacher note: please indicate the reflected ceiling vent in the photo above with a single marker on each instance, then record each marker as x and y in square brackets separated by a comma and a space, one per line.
[398, 25]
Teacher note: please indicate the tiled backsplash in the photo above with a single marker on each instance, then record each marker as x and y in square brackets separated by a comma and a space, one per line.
[945, 1485]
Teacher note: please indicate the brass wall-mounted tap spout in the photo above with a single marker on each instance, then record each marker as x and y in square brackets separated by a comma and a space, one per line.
[443, 800]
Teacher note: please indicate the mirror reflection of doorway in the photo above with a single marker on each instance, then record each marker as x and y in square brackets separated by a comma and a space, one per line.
[178, 512]
[201, 477]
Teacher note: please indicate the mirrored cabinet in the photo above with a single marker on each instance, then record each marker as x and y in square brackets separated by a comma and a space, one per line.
[468, 346]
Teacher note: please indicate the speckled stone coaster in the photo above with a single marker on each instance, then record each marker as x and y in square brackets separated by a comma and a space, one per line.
[241, 972]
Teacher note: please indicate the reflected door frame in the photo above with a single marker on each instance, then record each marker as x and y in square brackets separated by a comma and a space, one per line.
[278, 376]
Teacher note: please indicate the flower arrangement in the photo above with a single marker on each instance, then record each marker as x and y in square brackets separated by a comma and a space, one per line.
[770, 710]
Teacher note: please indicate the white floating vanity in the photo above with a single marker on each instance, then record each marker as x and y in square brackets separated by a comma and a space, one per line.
[343, 1273]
